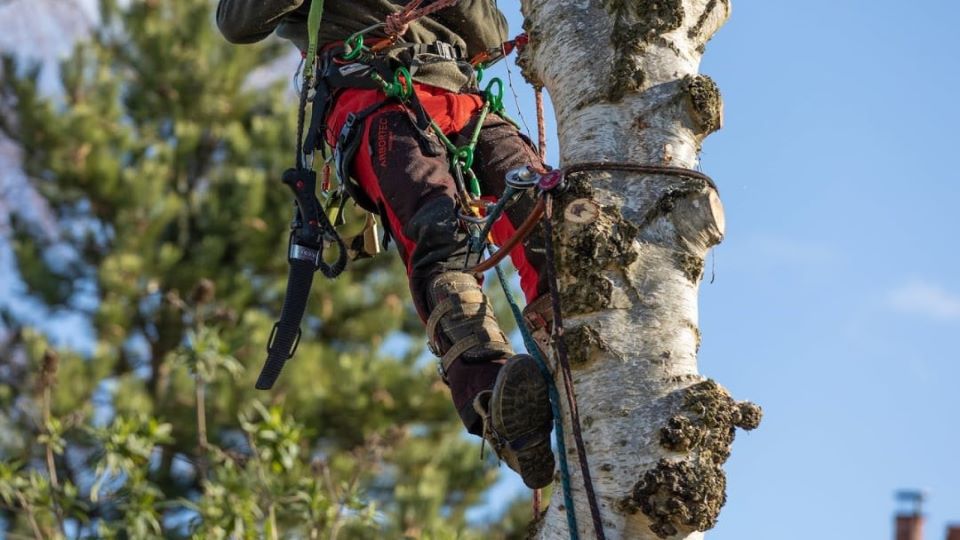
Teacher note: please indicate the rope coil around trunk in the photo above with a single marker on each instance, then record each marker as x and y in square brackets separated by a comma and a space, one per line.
[537, 213]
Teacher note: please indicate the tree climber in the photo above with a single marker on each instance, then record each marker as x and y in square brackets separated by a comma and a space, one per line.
[401, 171]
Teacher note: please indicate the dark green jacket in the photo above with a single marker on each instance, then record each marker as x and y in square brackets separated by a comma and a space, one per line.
[471, 25]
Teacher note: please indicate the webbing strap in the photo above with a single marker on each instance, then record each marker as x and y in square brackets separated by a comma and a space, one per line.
[447, 305]
[313, 31]
[459, 348]
[313, 37]
[310, 229]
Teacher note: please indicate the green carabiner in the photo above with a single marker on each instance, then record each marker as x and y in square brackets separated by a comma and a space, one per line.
[464, 155]
[479, 71]
[474, 186]
[355, 45]
[495, 100]
[402, 88]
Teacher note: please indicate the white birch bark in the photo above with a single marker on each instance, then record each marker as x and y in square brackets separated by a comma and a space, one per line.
[623, 79]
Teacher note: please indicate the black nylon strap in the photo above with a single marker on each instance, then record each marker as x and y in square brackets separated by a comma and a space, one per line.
[286, 331]
[311, 228]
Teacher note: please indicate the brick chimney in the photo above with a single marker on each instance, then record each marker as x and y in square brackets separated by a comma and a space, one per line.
[910, 527]
[909, 518]
[953, 532]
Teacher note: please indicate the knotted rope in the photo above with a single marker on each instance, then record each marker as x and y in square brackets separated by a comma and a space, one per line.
[398, 23]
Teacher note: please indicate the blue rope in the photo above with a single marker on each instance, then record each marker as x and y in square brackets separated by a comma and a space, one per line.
[534, 351]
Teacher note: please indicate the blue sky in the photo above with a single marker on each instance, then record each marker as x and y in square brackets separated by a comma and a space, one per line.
[836, 303]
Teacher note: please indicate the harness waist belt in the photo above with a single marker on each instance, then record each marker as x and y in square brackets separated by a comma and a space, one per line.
[439, 48]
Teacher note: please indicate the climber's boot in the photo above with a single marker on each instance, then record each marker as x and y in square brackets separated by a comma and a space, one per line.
[464, 333]
[517, 420]
[538, 316]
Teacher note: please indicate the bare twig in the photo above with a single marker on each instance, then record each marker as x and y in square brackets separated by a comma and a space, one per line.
[273, 522]
[261, 473]
[202, 443]
[48, 379]
[31, 517]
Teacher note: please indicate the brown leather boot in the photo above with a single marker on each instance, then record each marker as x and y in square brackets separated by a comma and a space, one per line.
[539, 318]
[515, 413]
[518, 419]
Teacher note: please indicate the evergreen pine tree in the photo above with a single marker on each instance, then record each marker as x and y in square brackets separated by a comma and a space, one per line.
[160, 161]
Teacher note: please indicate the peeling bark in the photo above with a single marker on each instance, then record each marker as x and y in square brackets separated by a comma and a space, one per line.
[631, 252]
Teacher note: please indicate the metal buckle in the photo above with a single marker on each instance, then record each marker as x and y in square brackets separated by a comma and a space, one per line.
[446, 50]
[441, 372]
[304, 253]
[352, 69]
[347, 126]
[432, 347]
[273, 335]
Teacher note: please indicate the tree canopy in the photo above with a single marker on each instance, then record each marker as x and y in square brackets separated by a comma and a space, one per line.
[159, 161]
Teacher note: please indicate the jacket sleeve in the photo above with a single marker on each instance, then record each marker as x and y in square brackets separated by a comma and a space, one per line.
[478, 22]
[247, 21]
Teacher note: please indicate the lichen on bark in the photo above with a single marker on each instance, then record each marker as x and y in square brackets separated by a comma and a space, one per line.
[603, 240]
[691, 265]
[707, 422]
[524, 55]
[687, 494]
[703, 103]
[636, 24]
[583, 342]
[696, 31]
[678, 496]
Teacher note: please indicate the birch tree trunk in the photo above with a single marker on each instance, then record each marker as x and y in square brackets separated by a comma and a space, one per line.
[623, 79]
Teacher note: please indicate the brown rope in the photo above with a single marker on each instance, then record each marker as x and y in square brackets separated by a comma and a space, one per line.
[398, 23]
[541, 124]
[666, 170]
[522, 232]
[561, 347]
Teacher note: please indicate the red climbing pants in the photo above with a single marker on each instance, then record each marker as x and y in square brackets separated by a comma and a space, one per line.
[415, 190]
[407, 177]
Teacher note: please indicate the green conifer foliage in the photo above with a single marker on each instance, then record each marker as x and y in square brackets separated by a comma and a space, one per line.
[160, 160]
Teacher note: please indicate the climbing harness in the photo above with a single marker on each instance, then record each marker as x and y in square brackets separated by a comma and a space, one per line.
[311, 227]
